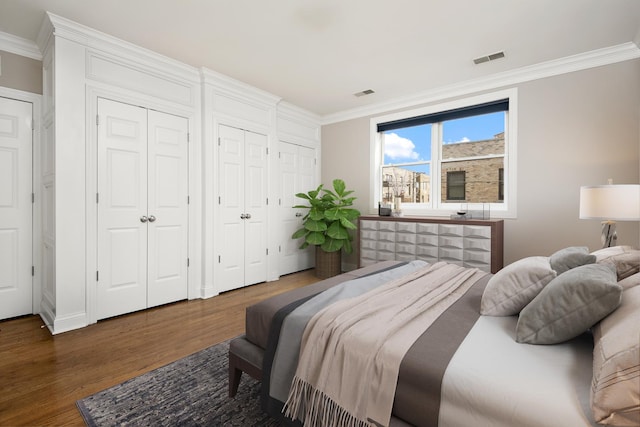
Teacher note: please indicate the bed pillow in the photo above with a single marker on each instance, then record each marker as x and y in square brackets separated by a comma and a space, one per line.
[512, 288]
[571, 257]
[624, 258]
[615, 395]
[630, 282]
[569, 305]
[609, 252]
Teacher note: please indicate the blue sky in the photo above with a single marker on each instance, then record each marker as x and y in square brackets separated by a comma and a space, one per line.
[414, 144]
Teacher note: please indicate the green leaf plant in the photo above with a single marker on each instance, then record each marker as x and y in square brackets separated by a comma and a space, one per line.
[329, 219]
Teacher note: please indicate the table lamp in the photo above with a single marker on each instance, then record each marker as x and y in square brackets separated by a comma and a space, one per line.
[610, 203]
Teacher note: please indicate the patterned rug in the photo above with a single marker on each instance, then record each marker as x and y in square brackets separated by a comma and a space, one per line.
[192, 391]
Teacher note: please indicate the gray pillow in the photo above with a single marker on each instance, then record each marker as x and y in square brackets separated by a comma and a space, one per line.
[571, 257]
[569, 305]
[512, 288]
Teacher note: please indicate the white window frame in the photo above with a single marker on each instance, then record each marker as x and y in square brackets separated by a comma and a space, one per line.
[506, 209]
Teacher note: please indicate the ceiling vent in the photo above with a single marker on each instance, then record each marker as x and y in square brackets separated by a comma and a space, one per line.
[488, 58]
[364, 92]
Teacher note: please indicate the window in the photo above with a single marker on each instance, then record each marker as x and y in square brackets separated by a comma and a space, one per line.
[438, 157]
[455, 185]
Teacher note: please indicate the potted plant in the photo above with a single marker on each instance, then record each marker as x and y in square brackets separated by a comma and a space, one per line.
[327, 225]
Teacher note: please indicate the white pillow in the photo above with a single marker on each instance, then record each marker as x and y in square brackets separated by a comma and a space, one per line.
[615, 391]
[625, 259]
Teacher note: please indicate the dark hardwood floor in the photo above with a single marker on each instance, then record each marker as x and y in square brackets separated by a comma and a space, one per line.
[42, 376]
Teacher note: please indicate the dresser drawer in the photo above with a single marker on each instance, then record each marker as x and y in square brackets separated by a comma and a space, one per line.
[451, 242]
[451, 230]
[368, 225]
[477, 231]
[482, 245]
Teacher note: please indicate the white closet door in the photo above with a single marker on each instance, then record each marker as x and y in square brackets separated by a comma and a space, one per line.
[306, 181]
[15, 208]
[243, 208]
[231, 193]
[122, 209]
[167, 208]
[297, 175]
[255, 197]
[290, 219]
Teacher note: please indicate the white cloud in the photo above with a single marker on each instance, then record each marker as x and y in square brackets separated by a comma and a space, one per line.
[397, 147]
[463, 139]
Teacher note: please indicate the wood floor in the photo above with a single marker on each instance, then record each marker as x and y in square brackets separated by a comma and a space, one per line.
[42, 376]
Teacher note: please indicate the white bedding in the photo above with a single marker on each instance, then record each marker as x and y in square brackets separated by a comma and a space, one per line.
[531, 385]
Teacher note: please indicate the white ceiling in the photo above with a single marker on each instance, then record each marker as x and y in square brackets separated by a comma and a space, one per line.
[317, 53]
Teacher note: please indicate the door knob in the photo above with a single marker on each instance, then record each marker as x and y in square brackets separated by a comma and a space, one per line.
[242, 216]
[298, 214]
[152, 218]
[247, 216]
[143, 218]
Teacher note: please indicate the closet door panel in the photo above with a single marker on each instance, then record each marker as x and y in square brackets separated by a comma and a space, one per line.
[15, 208]
[255, 202]
[167, 208]
[297, 175]
[306, 181]
[231, 192]
[289, 222]
[122, 190]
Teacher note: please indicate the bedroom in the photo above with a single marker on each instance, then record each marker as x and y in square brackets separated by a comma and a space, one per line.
[575, 128]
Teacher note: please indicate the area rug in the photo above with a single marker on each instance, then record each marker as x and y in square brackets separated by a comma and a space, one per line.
[192, 391]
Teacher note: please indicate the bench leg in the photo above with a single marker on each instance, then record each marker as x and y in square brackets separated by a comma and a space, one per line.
[234, 381]
[241, 361]
[234, 375]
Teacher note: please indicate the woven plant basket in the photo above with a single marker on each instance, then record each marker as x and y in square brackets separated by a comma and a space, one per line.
[328, 264]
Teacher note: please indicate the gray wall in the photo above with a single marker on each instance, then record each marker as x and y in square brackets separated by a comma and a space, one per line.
[20, 72]
[574, 129]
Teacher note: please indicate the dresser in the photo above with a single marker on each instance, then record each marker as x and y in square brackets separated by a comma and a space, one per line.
[469, 243]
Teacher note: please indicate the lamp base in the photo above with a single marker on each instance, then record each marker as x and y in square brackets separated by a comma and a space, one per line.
[609, 237]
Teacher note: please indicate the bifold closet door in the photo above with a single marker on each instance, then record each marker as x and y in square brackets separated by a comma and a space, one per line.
[242, 196]
[168, 235]
[142, 208]
[122, 206]
[16, 288]
[297, 175]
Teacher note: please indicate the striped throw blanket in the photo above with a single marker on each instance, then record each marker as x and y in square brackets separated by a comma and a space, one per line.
[351, 350]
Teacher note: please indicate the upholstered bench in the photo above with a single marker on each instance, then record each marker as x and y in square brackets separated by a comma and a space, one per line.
[243, 357]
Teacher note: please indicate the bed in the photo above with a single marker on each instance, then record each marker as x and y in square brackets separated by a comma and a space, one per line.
[469, 368]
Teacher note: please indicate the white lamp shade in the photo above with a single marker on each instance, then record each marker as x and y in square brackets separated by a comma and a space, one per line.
[610, 202]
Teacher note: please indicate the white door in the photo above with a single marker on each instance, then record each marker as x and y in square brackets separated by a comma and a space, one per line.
[122, 209]
[242, 198]
[255, 208]
[231, 193]
[297, 175]
[142, 208]
[307, 180]
[168, 210]
[15, 208]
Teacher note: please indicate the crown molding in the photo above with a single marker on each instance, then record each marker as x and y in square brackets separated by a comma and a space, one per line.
[99, 41]
[297, 125]
[231, 86]
[19, 46]
[596, 58]
[298, 113]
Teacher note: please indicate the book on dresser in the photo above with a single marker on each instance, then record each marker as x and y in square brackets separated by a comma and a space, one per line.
[469, 243]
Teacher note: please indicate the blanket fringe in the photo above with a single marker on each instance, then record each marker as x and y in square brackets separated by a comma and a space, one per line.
[314, 408]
